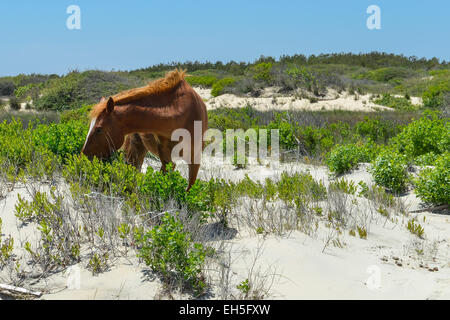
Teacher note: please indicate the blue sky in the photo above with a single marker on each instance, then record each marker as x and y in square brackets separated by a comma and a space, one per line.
[124, 35]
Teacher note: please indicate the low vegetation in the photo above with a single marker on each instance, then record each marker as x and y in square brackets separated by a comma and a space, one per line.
[93, 212]
[373, 72]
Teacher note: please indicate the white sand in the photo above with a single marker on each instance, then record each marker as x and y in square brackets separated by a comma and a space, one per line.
[304, 269]
[270, 100]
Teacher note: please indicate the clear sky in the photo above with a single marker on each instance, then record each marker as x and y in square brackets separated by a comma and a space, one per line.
[124, 35]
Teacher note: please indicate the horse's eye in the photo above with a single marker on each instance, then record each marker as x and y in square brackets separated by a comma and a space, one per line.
[98, 130]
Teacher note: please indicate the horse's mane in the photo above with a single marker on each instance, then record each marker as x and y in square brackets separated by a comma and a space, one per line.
[158, 86]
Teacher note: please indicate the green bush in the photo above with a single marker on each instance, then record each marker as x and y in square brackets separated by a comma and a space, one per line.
[202, 81]
[262, 72]
[303, 78]
[80, 114]
[427, 134]
[219, 86]
[399, 103]
[62, 139]
[251, 188]
[415, 228]
[170, 252]
[389, 170]
[426, 159]
[161, 187]
[433, 97]
[114, 177]
[300, 186]
[14, 103]
[433, 184]
[343, 158]
[286, 131]
[320, 140]
[77, 89]
[393, 75]
[375, 129]
[7, 87]
[199, 200]
[223, 198]
[16, 143]
[232, 118]
[345, 186]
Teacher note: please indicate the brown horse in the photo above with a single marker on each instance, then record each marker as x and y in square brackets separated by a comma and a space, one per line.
[143, 119]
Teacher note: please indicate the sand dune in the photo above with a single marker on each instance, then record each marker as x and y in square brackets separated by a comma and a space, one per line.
[386, 265]
[270, 100]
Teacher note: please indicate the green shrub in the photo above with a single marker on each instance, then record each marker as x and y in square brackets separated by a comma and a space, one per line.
[232, 118]
[433, 184]
[374, 129]
[286, 131]
[345, 186]
[77, 89]
[80, 114]
[300, 186]
[6, 250]
[44, 165]
[303, 78]
[433, 97]
[319, 140]
[223, 199]
[262, 72]
[427, 134]
[14, 103]
[170, 252]
[219, 85]
[39, 146]
[426, 159]
[399, 103]
[415, 228]
[16, 143]
[250, 188]
[393, 75]
[161, 187]
[369, 151]
[362, 232]
[344, 158]
[389, 170]
[114, 177]
[7, 87]
[202, 81]
[198, 199]
[62, 139]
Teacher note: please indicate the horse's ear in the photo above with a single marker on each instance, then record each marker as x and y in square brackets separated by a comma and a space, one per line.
[110, 105]
[103, 99]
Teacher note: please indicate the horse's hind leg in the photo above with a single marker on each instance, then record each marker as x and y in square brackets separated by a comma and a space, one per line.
[135, 150]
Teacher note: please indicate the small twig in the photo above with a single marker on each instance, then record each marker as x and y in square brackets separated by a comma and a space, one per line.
[444, 206]
[17, 290]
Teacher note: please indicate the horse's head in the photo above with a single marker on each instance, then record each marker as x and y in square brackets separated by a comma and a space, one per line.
[105, 134]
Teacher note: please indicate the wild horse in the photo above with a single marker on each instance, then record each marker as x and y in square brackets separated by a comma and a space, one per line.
[143, 119]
